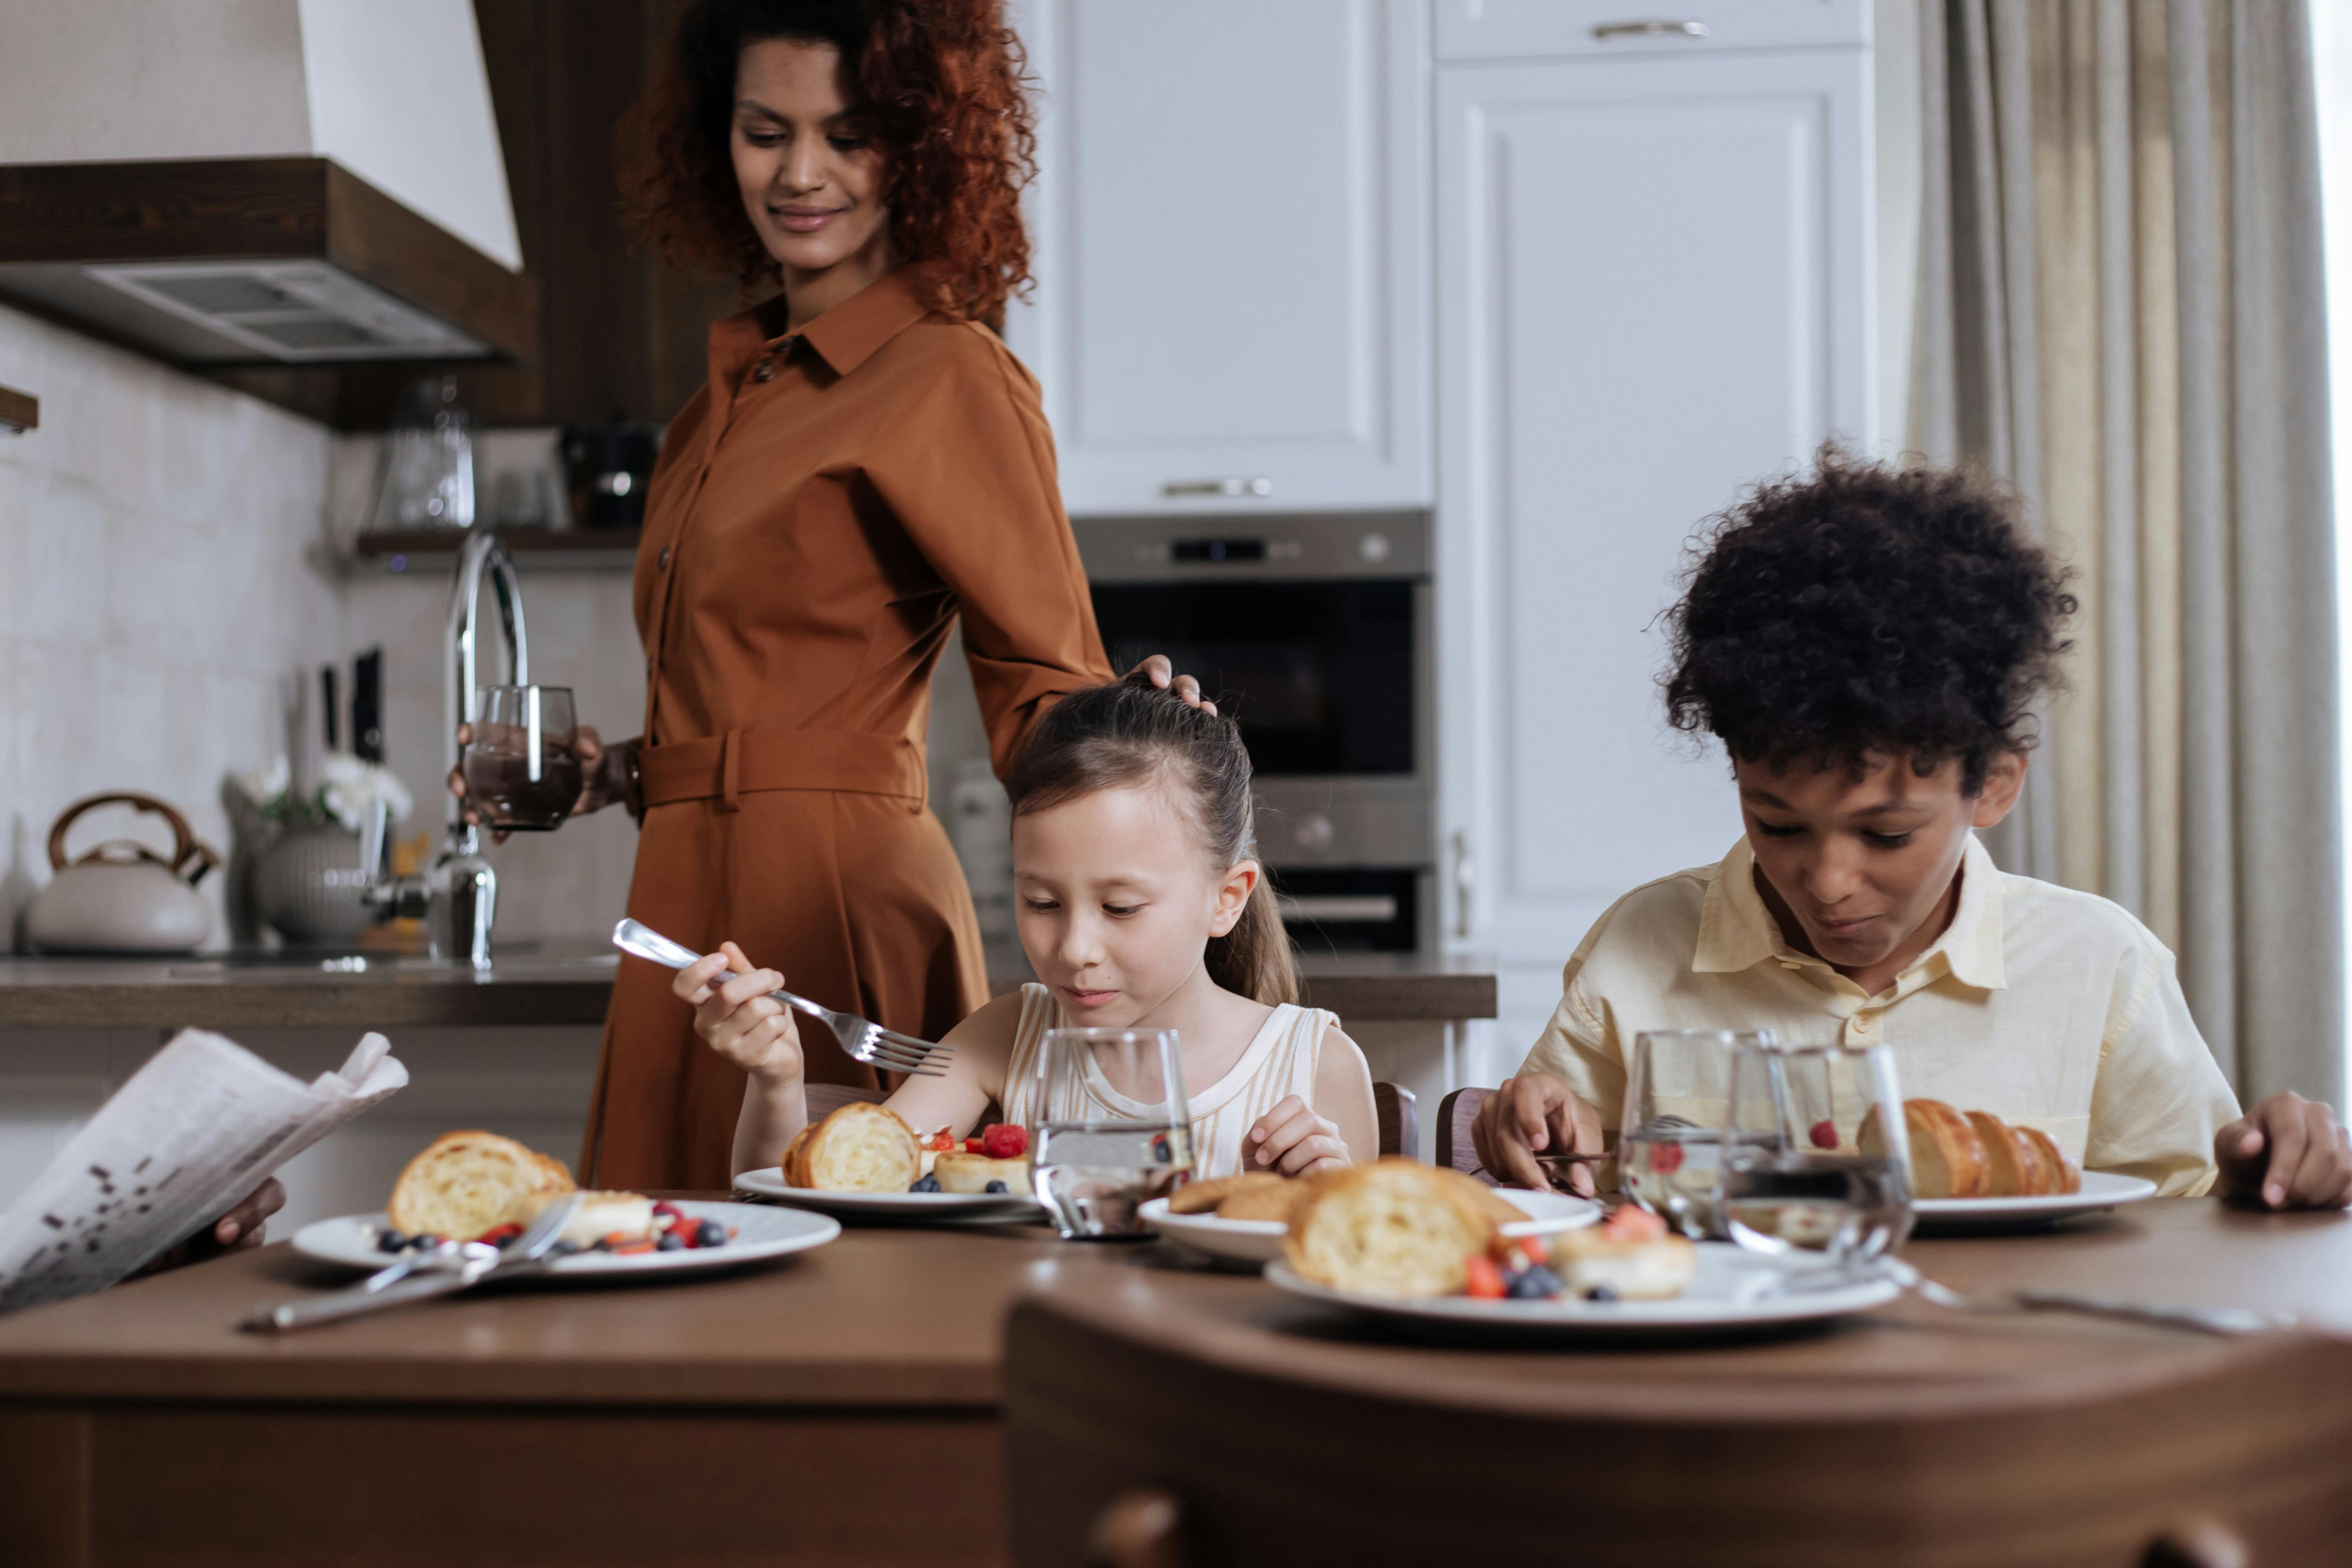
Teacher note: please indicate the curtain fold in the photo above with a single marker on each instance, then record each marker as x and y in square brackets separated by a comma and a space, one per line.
[2120, 314]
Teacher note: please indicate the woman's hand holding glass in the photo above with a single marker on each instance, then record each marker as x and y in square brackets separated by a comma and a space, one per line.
[1291, 1140]
[740, 1020]
[604, 774]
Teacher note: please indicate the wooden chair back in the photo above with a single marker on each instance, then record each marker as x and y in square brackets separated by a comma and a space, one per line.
[1456, 1115]
[1400, 1122]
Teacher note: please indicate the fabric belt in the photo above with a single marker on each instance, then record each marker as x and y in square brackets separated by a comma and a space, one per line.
[743, 761]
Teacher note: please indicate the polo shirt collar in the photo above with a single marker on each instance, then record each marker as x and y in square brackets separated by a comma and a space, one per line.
[1737, 931]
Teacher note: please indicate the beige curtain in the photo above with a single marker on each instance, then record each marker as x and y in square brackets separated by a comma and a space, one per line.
[2121, 313]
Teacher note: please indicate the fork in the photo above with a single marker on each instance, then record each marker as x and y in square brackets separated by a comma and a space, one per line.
[526, 1254]
[864, 1041]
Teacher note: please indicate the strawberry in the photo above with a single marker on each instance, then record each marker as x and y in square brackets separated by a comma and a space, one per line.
[1824, 1134]
[1482, 1279]
[499, 1235]
[972, 1146]
[1004, 1140]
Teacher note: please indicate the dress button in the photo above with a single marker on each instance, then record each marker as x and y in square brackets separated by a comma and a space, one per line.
[765, 370]
[662, 560]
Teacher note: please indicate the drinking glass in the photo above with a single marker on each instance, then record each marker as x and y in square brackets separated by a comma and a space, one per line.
[1112, 1130]
[523, 767]
[1815, 1158]
[1670, 1142]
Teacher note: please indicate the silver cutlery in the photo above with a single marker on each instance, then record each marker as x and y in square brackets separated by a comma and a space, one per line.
[864, 1041]
[2234, 1321]
[449, 1272]
[2237, 1322]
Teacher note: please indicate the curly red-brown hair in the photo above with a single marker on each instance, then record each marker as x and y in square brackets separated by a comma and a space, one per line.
[943, 81]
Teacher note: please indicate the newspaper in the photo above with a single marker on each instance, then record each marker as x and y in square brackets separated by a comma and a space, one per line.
[194, 1131]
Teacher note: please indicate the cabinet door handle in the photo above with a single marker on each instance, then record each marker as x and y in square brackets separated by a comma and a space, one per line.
[1255, 485]
[1465, 884]
[1649, 29]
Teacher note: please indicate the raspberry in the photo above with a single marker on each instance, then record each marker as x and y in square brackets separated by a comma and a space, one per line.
[1666, 1159]
[1004, 1140]
[1824, 1134]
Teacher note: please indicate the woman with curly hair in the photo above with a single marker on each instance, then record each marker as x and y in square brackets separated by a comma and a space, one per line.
[866, 466]
[1868, 644]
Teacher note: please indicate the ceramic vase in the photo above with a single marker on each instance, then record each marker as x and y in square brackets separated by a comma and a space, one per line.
[309, 883]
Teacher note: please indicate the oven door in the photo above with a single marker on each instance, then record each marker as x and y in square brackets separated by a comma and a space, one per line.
[1319, 673]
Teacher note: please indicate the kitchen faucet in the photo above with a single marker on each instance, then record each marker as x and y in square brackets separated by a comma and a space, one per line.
[458, 895]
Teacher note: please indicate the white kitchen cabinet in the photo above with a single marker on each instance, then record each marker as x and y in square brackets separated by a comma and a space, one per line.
[1520, 29]
[1654, 289]
[1231, 235]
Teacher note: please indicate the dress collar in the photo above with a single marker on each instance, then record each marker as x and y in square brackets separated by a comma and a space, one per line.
[1737, 931]
[845, 337]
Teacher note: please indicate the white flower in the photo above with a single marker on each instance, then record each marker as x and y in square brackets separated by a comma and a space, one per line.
[263, 786]
[348, 787]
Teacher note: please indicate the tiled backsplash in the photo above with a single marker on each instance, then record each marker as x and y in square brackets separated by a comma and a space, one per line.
[163, 571]
[166, 574]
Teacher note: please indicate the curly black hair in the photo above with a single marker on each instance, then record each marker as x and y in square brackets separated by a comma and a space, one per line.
[1868, 608]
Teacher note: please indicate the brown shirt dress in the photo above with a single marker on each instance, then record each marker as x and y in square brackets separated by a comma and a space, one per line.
[823, 512]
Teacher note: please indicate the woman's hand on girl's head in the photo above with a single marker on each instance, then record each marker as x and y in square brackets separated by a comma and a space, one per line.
[1291, 1140]
[740, 1020]
[1160, 673]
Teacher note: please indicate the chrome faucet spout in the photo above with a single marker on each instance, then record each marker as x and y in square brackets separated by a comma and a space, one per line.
[461, 688]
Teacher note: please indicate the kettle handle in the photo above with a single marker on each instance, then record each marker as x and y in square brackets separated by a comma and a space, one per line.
[187, 850]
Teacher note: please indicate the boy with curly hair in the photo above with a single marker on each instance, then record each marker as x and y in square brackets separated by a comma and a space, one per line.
[1868, 643]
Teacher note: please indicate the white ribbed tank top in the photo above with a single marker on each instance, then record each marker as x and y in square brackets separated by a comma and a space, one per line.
[1281, 1059]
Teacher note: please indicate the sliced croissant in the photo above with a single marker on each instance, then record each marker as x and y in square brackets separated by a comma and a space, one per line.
[1948, 1159]
[2065, 1175]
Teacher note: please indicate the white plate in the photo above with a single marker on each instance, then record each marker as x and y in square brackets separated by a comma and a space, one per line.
[2100, 1191]
[905, 1208]
[1730, 1290]
[1260, 1240]
[759, 1232]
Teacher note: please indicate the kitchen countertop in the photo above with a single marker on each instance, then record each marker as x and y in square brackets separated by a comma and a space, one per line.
[555, 983]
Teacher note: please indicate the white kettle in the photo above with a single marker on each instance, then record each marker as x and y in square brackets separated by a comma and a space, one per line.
[123, 897]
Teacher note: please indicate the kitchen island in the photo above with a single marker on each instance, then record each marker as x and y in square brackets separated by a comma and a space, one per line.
[555, 984]
[853, 1405]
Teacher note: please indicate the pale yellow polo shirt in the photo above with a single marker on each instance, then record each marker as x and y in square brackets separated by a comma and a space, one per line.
[2049, 1007]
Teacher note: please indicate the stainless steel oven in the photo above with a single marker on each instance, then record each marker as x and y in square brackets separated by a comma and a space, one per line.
[1314, 632]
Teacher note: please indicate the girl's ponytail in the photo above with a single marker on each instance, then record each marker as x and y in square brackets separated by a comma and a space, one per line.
[1105, 737]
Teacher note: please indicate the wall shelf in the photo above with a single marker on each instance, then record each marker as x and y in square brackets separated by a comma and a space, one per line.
[19, 411]
[428, 551]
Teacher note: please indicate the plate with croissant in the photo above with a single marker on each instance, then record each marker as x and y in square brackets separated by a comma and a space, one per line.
[865, 1163]
[1244, 1217]
[1972, 1171]
[475, 1187]
[1404, 1241]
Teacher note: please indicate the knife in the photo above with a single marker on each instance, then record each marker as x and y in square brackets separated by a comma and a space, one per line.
[527, 1255]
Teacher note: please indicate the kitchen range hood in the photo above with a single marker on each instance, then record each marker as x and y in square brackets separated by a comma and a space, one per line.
[259, 183]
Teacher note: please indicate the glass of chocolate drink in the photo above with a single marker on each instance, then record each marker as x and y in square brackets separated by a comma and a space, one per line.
[523, 767]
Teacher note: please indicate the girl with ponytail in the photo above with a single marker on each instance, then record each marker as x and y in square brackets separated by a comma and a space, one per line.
[1141, 904]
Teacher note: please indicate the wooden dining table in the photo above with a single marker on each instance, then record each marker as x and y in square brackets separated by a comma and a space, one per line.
[848, 1405]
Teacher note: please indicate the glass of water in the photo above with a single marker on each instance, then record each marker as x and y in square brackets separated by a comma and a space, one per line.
[1112, 1130]
[1670, 1143]
[1816, 1162]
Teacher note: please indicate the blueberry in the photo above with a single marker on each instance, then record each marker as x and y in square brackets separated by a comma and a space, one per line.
[421, 1240]
[390, 1242]
[1601, 1293]
[671, 1241]
[929, 1183]
[563, 1249]
[710, 1233]
[1533, 1284]
[601, 1244]
[996, 1187]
